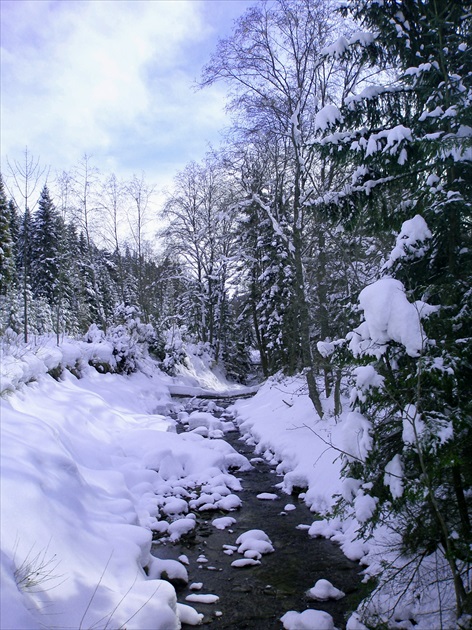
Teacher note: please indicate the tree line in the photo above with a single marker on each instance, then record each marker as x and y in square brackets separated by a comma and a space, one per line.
[348, 162]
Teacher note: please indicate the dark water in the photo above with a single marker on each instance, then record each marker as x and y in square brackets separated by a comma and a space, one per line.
[256, 597]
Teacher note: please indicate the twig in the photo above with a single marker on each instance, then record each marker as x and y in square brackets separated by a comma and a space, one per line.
[327, 442]
[95, 591]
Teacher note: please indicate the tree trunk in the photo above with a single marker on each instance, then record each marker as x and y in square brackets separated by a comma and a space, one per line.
[25, 305]
[304, 326]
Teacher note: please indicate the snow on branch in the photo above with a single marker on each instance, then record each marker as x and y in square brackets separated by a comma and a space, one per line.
[389, 316]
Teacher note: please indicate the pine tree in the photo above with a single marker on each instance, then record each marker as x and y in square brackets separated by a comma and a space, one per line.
[7, 262]
[15, 223]
[24, 261]
[412, 141]
[45, 245]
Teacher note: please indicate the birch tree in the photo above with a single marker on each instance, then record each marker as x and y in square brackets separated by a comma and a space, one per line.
[272, 64]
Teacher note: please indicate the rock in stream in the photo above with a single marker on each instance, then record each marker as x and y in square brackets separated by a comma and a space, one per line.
[257, 595]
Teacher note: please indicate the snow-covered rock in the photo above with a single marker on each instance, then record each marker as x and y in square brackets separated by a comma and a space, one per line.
[307, 620]
[323, 591]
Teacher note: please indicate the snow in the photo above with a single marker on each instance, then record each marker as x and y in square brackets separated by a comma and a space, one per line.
[202, 599]
[198, 376]
[413, 425]
[179, 528]
[327, 117]
[410, 240]
[189, 615]
[90, 469]
[307, 620]
[245, 562]
[325, 348]
[364, 506]
[323, 590]
[254, 542]
[281, 423]
[224, 522]
[366, 378]
[267, 496]
[393, 476]
[355, 439]
[389, 316]
[338, 48]
[173, 569]
[398, 134]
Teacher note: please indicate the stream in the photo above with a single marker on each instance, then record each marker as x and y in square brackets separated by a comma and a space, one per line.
[255, 597]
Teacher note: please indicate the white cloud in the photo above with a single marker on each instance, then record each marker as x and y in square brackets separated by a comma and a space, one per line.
[77, 75]
[112, 79]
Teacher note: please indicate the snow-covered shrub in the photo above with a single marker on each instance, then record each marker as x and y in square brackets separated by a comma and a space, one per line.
[130, 338]
[125, 344]
[175, 353]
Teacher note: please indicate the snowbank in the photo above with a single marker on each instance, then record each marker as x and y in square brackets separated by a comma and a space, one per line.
[280, 421]
[90, 469]
[75, 524]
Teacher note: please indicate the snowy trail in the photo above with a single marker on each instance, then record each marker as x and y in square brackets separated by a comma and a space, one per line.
[258, 592]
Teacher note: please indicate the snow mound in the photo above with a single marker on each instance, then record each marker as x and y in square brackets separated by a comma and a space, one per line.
[245, 562]
[323, 591]
[171, 569]
[197, 598]
[307, 620]
[267, 496]
[389, 316]
[189, 615]
[223, 522]
[254, 542]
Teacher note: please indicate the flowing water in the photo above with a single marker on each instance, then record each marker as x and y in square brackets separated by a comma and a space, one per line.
[256, 597]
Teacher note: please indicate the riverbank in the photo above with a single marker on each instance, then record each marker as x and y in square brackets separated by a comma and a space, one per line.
[407, 592]
[93, 469]
[87, 460]
[258, 595]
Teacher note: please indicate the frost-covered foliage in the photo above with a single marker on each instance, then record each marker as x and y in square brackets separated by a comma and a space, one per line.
[411, 138]
[129, 340]
[175, 353]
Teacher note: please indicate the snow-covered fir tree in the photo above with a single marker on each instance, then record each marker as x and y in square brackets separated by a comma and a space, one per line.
[410, 136]
[7, 260]
[45, 248]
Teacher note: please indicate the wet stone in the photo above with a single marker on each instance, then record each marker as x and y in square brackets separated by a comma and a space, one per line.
[256, 597]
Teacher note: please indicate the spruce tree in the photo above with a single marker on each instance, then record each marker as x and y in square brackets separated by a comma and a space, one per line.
[45, 249]
[7, 262]
[412, 141]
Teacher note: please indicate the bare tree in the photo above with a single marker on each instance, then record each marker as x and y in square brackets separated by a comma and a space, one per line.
[85, 182]
[85, 179]
[112, 206]
[272, 63]
[140, 195]
[200, 233]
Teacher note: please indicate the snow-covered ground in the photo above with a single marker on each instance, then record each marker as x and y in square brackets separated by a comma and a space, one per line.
[92, 466]
[280, 422]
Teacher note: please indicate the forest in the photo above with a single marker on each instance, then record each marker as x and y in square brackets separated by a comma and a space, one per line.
[328, 236]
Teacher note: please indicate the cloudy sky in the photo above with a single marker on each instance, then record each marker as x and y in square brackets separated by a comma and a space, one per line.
[112, 79]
